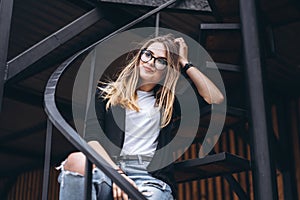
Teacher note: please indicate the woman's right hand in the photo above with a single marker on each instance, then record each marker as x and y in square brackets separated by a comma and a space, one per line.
[118, 193]
[183, 51]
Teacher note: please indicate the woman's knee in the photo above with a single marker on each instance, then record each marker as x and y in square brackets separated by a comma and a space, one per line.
[75, 163]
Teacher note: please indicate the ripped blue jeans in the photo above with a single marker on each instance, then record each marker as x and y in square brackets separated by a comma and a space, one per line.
[72, 184]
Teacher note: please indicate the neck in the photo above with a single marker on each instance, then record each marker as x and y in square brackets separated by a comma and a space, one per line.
[147, 87]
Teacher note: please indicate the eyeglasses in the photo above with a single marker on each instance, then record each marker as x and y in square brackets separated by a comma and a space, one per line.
[160, 63]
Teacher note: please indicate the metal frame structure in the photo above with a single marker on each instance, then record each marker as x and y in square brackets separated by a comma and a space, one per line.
[6, 9]
[36, 52]
[264, 183]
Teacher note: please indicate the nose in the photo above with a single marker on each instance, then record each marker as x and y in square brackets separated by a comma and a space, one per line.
[152, 62]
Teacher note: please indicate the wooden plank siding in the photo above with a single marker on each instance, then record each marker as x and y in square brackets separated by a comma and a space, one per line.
[28, 185]
[294, 110]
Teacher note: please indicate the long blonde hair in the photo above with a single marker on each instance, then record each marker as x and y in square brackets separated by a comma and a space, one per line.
[123, 90]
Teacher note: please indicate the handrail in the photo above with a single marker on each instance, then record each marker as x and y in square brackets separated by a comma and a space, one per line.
[71, 135]
[59, 122]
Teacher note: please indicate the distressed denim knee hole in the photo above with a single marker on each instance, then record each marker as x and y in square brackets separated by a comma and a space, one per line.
[65, 173]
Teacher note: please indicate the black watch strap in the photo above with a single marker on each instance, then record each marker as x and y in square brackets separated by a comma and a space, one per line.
[186, 67]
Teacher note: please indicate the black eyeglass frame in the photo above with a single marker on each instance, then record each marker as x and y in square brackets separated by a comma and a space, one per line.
[153, 57]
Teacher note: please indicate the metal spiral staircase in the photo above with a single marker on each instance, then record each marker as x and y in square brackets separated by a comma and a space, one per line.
[215, 164]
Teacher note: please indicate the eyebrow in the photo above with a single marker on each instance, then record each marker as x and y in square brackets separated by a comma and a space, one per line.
[153, 55]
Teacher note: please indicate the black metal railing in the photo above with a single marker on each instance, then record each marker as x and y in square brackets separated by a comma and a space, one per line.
[56, 119]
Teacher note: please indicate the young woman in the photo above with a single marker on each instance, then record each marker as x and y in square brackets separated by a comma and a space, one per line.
[144, 90]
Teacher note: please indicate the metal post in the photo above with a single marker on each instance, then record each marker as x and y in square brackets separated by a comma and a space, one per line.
[47, 160]
[88, 180]
[6, 7]
[264, 186]
[89, 165]
[285, 142]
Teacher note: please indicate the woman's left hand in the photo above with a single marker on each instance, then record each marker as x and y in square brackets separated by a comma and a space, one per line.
[183, 51]
[118, 193]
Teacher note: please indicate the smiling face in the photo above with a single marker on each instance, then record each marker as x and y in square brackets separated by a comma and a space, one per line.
[149, 75]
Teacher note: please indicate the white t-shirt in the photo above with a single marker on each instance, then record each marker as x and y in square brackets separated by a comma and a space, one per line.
[142, 128]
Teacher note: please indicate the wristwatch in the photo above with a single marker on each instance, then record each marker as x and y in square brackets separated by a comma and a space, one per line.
[186, 67]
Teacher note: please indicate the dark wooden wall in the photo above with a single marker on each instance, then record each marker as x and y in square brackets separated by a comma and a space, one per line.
[29, 186]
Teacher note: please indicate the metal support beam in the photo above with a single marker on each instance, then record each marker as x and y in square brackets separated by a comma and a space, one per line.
[36, 52]
[47, 160]
[264, 184]
[215, 11]
[6, 8]
[236, 187]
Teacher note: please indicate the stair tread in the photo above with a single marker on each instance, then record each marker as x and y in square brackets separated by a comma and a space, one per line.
[221, 26]
[233, 115]
[210, 166]
[223, 66]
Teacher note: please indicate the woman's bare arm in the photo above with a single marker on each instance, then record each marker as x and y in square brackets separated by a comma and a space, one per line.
[100, 150]
[206, 88]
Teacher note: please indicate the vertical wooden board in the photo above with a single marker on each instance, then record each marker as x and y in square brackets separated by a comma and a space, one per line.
[294, 110]
[180, 191]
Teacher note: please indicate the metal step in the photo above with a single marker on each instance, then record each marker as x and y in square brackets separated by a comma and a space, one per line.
[222, 66]
[210, 166]
[220, 26]
[233, 115]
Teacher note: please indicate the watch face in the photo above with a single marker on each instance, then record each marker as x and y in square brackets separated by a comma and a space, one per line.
[189, 65]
